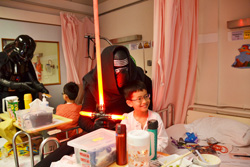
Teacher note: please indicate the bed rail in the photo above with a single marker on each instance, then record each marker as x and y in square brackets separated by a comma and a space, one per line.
[15, 150]
[198, 111]
[167, 115]
[42, 146]
[224, 110]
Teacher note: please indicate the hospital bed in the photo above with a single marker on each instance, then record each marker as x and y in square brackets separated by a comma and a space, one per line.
[229, 126]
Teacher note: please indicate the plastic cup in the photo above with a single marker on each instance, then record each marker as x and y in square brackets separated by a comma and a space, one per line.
[27, 100]
[11, 106]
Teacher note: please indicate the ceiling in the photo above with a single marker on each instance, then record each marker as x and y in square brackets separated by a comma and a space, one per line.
[82, 7]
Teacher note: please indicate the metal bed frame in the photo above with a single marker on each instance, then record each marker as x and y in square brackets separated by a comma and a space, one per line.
[167, 115]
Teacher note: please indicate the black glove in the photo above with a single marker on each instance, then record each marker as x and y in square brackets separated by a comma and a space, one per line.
[86, 123]
[21, 85]
[103, 122]
[37, 85]
[40, 87]
[43, 89]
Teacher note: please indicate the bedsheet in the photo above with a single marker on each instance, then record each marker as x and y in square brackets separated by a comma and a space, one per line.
[228, 159]
[24, 161]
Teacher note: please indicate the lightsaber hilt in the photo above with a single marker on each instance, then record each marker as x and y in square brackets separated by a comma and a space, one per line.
[101, 108]
[95, 115]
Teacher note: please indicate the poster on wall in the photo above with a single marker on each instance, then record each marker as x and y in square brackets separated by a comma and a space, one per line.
[247, 34]
[243, 59]
[141, 45]
[237, 35]
[240, 35]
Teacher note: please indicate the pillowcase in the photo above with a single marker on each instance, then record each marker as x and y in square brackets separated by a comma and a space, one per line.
[222, 129]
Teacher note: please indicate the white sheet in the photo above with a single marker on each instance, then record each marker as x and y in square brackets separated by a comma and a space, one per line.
[24, 161]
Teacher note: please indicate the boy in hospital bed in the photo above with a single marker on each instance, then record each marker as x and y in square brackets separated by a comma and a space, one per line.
[137, 97]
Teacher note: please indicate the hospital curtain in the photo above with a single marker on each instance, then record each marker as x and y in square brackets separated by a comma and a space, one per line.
[175, 54]
[75, 47]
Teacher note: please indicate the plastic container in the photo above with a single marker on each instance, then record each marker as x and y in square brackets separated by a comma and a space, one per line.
[95, 149]
[11, 106]
[19, 116]
[139, 143]
[27, 119]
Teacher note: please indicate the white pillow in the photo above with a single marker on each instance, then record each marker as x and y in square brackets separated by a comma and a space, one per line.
[222, 129]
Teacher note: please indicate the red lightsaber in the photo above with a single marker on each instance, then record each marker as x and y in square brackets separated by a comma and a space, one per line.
[101, 106]
[98, 56]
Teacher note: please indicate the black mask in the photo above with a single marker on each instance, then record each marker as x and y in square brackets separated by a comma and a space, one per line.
[121, 68]
[25, 47]
[21, 50]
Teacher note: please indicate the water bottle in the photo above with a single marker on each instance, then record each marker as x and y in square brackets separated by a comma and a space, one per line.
[27, 100]
[121, 144]
[152, 127]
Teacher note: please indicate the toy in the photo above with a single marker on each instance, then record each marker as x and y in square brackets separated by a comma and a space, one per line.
[191, 138]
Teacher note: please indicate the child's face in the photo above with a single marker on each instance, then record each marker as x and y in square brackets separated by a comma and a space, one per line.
[139, 101]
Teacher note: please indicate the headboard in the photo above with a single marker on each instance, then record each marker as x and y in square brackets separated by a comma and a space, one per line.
[199, 111]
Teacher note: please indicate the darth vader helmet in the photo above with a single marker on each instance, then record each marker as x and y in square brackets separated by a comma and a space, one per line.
[21, 50]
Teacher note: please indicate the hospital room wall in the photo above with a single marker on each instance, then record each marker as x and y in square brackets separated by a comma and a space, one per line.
[133, 20]
[218, 83]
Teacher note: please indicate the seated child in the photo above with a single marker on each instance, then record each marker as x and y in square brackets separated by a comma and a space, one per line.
[69, 110]
[137, 97]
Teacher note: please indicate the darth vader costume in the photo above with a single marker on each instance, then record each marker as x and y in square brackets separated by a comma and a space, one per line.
[17, 74]
[118, 69]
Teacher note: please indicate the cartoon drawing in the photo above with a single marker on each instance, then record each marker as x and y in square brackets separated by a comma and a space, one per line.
[39, 69]
[243, 60]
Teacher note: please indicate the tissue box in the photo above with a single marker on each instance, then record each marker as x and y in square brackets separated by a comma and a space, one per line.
[95, 149]
[27, 119]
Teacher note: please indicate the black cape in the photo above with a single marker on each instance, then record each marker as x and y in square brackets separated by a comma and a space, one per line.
[114, 101]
